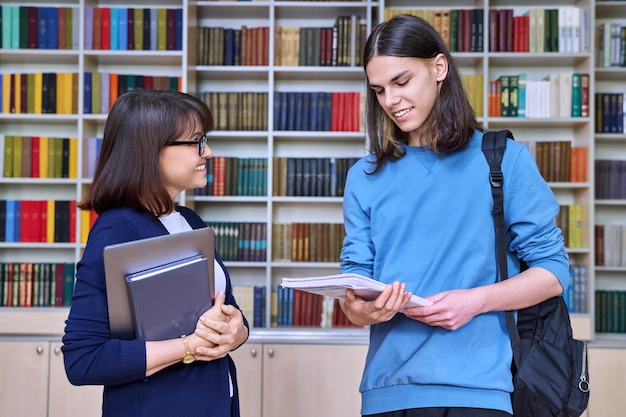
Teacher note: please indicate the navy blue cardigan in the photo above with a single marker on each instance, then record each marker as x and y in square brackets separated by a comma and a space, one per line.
[92, 357]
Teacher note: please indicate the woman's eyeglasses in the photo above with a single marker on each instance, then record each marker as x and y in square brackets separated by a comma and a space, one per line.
[200, 142]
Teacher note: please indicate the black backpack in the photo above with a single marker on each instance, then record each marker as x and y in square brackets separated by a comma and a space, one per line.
[550, 373]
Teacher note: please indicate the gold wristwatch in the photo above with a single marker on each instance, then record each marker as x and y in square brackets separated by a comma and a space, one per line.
[189, 358]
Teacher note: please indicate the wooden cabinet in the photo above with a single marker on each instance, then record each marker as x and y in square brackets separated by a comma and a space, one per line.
[304, 380]
[249, 362]
[34, 383]
[607, 376]
[65, 399]
[24, 378]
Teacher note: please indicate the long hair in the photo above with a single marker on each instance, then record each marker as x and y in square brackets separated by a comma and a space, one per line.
[452, 120]
[139, 125]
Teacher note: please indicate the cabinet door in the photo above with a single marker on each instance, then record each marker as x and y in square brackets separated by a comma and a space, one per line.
[67, 400]
[607, 378]
[249, 362]
[312, 380]
[24, 378]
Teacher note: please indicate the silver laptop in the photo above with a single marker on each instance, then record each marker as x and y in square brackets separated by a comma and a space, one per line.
[124, 259]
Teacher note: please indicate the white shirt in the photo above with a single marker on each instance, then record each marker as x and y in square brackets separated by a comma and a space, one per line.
[176, 223]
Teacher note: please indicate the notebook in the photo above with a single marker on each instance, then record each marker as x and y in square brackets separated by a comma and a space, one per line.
[125, 259]
[166, 301]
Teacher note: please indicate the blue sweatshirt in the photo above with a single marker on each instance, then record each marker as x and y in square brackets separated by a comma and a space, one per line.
[426, 220]
[92, 357]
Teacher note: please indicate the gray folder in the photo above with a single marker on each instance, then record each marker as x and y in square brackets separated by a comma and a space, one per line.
[167, 301]
[124, 259]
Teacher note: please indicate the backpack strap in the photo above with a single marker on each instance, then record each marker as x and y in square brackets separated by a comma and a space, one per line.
[493, 146]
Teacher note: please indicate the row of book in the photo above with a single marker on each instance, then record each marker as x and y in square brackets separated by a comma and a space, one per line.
[310, 177]
[610, 112]
[306, 242]
[291, 242]
[237, 110]
[559, 161]
[557, 95]
[231, 46]
[611, 48]
[30, 284]
[45, 221]
[288, 308]
[101, 89]
[461, 29]
[339, 45]
[251, 299]
[610, 245]
[565, 29]
[57, 93]
[241, 241]
[33, 27]
[37, 93]
[610, 179]
[576, 296]
[133, 28]
[610, 314]
[44, 157]
[295, 308]
[234, 176]
[319, 111]
[570, 221]
[38, 157]
[247, 242]
[109, 28]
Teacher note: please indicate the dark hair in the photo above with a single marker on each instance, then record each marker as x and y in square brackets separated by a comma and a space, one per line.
[139, 125]
[451, 121]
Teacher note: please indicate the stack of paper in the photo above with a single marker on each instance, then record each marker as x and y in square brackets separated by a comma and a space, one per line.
[336, 285]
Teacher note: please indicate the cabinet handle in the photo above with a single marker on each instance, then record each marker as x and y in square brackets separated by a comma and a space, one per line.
[270, 352]
[39, 350]
[57, 350]
[253, 352]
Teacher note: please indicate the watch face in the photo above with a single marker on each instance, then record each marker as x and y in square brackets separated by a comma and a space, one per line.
[188, 359]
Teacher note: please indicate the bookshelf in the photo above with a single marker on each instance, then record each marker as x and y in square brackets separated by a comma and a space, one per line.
[257, 135]
[280, 137]
[610, 147]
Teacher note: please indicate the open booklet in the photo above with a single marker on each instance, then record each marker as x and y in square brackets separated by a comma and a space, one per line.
[335, 286]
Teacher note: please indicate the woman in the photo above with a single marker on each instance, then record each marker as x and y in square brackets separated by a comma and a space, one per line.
[153, 148]
[417, 215]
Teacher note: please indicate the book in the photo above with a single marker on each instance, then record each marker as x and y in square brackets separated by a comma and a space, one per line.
[336, 285]
[105, 27]
[166, 301]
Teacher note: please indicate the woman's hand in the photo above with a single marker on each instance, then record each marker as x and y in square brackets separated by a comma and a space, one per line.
[363, 313]
[219, 330]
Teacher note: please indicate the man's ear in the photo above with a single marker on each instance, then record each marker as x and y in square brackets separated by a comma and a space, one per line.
[441, 67]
